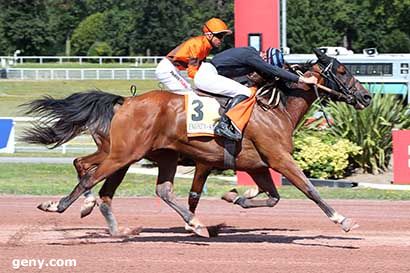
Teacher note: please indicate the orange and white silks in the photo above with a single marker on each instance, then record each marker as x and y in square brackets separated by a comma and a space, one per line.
[190, 54]
[241, 113]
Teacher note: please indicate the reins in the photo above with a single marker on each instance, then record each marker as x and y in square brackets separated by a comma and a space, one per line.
[326, 89]
[322, 109]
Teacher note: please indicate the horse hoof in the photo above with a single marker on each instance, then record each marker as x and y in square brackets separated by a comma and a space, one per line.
[188, 228]
[201, 231]
[88, 206]
[198, 228]
[49, 206]
[125, 232]
[348, 225]
[230, 196]
[251, 193]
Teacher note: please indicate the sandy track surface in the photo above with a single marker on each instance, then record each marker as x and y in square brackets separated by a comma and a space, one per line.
[295, 236]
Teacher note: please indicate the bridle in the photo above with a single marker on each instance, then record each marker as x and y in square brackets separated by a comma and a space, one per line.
[333, 85]
[344, 92]
[331, 80]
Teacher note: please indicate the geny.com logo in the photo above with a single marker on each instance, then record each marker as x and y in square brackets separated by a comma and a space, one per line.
[40, 263]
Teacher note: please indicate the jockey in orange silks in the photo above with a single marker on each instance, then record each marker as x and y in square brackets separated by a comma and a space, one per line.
[190, 54]
[216, 77]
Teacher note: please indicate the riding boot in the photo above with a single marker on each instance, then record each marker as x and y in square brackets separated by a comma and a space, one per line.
[225, 128]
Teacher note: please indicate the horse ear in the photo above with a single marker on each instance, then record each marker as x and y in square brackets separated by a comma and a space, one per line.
[322, 57]
[318, 52]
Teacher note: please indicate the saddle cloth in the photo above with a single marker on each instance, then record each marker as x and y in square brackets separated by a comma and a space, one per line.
[202, 115]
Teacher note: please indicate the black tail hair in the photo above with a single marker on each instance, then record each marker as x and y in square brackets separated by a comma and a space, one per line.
[63, 119]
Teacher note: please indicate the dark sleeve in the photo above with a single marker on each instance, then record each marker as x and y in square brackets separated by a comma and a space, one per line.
[269, 71]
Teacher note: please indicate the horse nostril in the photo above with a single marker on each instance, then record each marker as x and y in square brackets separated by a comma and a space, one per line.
[367, 98]
[364, 98]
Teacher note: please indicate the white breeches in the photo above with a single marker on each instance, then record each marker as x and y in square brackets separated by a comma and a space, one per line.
[207, 79]
[169, 75]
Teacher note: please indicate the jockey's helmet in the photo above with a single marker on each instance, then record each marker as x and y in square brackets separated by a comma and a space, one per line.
[275, 57]
[215, 26]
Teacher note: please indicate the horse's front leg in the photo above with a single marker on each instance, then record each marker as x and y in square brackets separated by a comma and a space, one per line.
[202, 172]
[288, 167]
[164, 189]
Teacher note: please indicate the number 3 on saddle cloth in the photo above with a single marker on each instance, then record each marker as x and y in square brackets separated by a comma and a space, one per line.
[202, 115]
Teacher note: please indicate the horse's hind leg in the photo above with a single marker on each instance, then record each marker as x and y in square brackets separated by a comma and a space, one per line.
[110, 165]
[82, 166]
[164, 189]
[265, 183]
[106, 193]
[295, 175]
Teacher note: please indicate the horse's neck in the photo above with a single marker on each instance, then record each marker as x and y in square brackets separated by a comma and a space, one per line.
[298, 104]
[299, 100]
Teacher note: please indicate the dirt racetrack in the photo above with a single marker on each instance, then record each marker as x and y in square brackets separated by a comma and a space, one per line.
[293, 237]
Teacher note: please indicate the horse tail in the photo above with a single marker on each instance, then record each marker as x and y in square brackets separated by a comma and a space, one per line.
[60, 120]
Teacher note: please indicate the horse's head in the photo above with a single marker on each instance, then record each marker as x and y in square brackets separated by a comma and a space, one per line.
[336, 76]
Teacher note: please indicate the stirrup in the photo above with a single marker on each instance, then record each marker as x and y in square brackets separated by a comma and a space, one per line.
[224, 130]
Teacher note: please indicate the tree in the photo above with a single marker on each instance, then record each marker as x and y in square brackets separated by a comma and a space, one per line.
[354, 24]
[65, 15]
[25, 26]
[87, 32]
[396, 42]
[4, 43]
[117, 31]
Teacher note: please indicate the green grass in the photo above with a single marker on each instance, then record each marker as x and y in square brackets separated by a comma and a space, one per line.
[56, 179]
[14, 93]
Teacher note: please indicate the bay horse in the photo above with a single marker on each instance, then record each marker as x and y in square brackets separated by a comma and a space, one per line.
[152, 125]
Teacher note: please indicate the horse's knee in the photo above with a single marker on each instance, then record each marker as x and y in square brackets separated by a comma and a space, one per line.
[81, 167]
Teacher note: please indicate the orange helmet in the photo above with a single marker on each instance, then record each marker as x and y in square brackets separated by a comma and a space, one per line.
[215, 25]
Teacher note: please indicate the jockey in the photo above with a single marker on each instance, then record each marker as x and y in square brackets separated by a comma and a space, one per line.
[216, 77]
[190, 54]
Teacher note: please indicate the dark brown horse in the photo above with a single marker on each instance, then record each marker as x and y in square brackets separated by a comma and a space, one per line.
[153, 126]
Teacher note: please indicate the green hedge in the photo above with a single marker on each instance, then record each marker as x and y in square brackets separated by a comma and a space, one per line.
[322, 156]
[100, 49]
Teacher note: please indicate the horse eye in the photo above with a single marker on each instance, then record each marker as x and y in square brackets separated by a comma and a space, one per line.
[342, 70]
